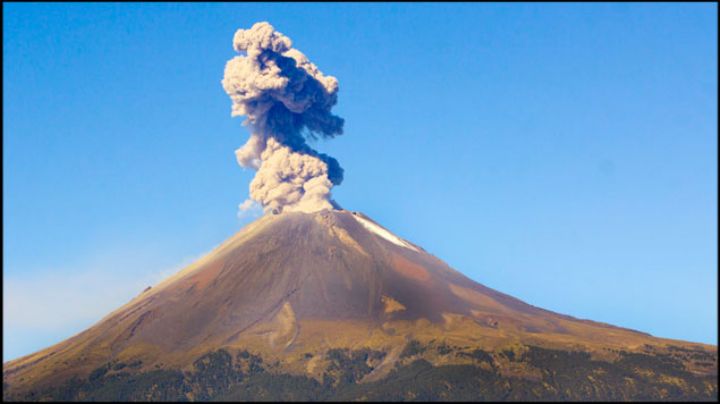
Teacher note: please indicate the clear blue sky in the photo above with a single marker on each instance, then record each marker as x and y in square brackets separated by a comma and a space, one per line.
[564, 154]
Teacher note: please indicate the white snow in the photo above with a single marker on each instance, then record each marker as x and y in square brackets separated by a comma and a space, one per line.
[383, 233]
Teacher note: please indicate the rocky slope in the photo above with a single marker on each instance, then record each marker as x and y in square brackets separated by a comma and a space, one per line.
[330, 305]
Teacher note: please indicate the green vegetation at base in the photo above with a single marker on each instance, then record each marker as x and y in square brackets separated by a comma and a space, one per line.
[551, 375]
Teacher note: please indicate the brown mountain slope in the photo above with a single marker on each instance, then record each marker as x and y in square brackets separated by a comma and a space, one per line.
[292, 287]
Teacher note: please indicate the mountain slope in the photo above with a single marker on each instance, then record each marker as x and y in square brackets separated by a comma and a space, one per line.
[305, 294]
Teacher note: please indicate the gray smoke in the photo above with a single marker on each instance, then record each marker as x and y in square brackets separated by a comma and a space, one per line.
[287, 101]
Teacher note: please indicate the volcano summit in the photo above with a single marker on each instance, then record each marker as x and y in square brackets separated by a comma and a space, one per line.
[331, 305]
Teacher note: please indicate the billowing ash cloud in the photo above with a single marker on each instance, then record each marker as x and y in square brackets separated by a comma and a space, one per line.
[287, 100]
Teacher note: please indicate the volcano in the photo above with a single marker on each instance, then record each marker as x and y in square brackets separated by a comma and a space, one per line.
[331, 305]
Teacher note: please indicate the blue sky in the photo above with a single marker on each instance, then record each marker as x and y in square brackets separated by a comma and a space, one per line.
[565, 154]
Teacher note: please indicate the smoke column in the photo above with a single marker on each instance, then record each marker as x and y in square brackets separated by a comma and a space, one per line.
[287, 101]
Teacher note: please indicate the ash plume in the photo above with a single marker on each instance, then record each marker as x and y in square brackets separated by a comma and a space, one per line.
[287, 100]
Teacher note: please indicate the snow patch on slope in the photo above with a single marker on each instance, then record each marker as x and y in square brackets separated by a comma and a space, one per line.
[372, 227]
